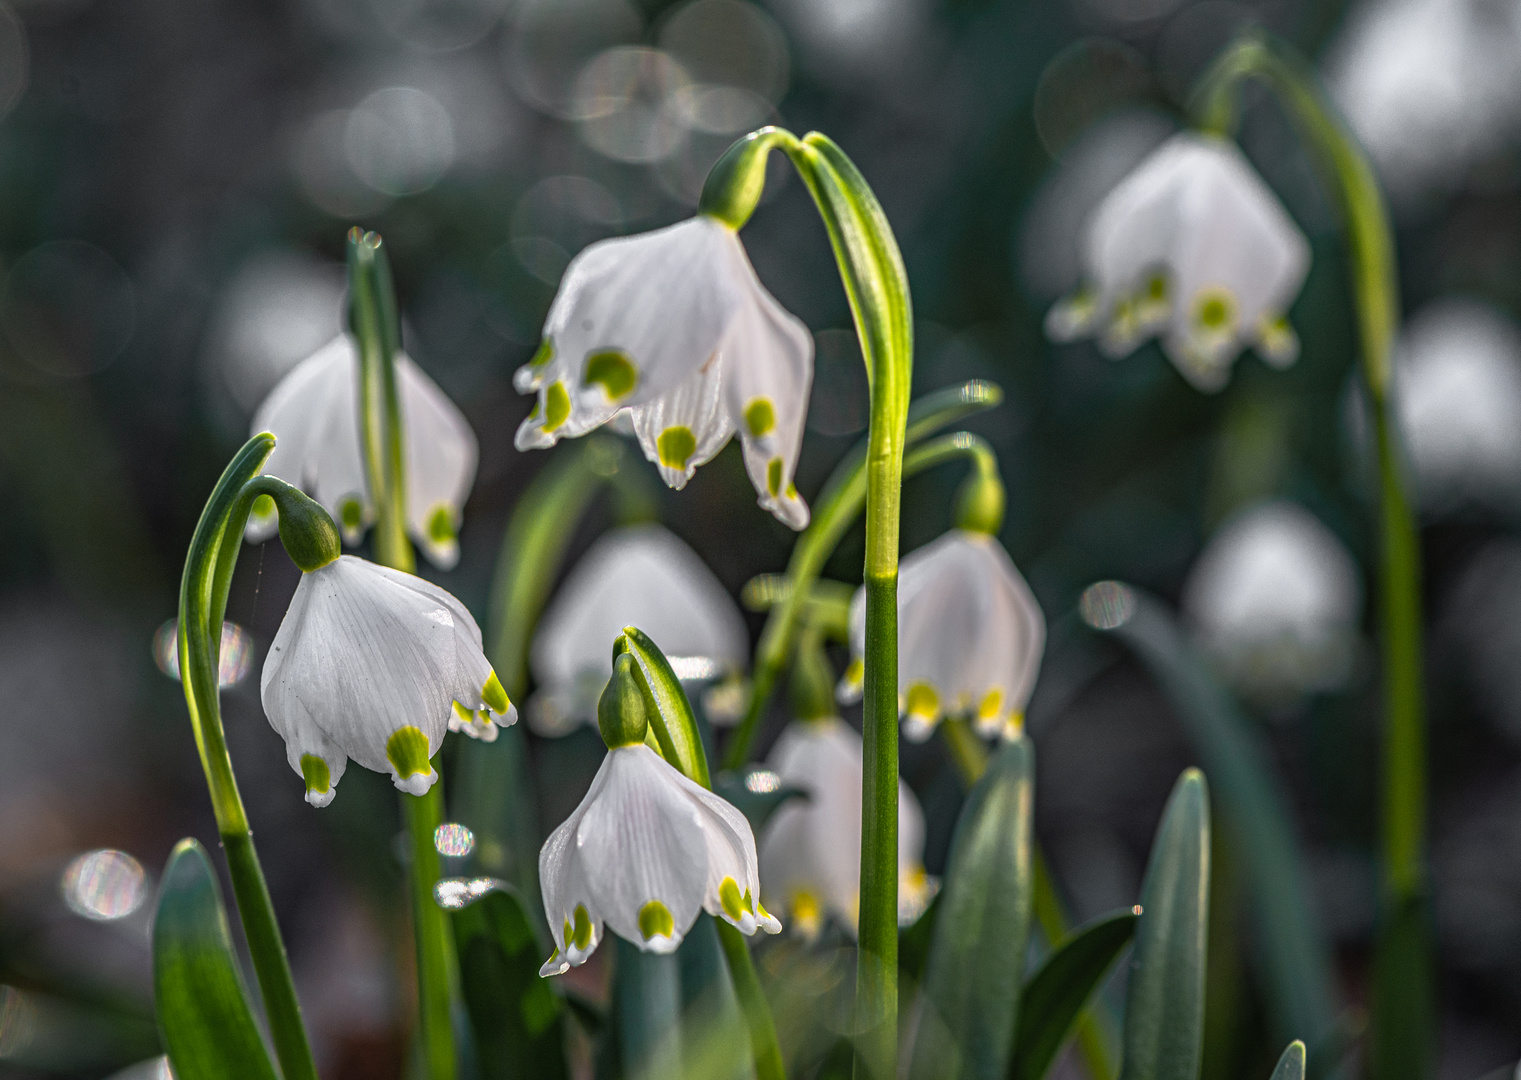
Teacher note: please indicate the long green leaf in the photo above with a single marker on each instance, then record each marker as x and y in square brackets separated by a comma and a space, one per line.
[1291, 1065]
[1292, 955]
[1164, 1003]
[976, 964]
[199, 994]
[1054, 997]
[647, 1013]
[517, 1017]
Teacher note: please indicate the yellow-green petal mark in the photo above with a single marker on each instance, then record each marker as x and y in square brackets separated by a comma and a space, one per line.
[495, 696]
[318, 777]
[466, 715]
[545, 353]
[441, 525]
[729, 897]
[407, 751]
[581, 934]
[1215, 309]
[923, 701]
[613, 370]
[774, 476]
[350, 514]
[760, 417]
[991, 702]
[556, 405]
[655, 921]
[676, 446]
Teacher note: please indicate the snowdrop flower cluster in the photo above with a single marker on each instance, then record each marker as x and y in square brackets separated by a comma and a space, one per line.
[376, 665]
[1194, 248]
[674, 327]
[970, 637]
[647, 850]
[644, 576]
[1275, 600]
[314, 413]
[810, 854]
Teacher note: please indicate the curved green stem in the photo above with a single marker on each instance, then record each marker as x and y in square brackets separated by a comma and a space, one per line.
[1403, 982]
[203, 601]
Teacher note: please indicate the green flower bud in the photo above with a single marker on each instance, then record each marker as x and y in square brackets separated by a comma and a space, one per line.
[980, 503]
[621, 712]
[307, 531]
[734, 184]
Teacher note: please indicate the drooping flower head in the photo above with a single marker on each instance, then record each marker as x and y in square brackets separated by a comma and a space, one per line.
[641, 575]
[1194, 248]
[810, 852]
[970, 637]
[314, 412]
[674, 326]
[647, 850]
[376, 665]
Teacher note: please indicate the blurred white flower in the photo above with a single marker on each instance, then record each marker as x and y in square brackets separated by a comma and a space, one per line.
[674, 326]
[640, 576]
[645, 852]
[810, 853]
[1192, 247]
[373, 664]
[1458, 396]
[970, 637]
[1275, 599]
[314, 415]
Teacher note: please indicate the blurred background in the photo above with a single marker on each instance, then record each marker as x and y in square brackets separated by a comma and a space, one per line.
[175, 184]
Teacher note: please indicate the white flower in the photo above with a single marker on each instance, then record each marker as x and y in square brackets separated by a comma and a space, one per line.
[1195, 248]
[1275, 599]
[314, 414]
[644, 853]
[810, 853]
[640, 576]
[373, 664]
[970, 637]
[674, 326]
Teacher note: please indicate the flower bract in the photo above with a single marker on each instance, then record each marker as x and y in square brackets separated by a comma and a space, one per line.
[674, 326]
[376, 665]
[1194, 248]
[314, 414]
[810, 852]
[970, 637]
[644, 853]
[643, 576]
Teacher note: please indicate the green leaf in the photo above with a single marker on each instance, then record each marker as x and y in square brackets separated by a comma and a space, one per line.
[517, 1016]
[646, 1012]
[1291, 1065]
[1403, 1010]
[970, 995]
[201, 1001]
[1164, 1003]
[1054, 997]
[494, 799]
[671, 717]
[1293, 956]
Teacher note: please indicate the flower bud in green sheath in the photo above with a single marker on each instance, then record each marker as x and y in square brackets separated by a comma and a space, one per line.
[307, 531]
[979, 504]
[621, 711]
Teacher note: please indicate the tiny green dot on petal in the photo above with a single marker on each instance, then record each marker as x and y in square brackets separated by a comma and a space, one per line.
[315, 770]
[407, 751]
[582, 934]
[655, 920]
[441, 524]
[676, 446]
[760, 416]
[495, 696]
[556, 405]
[774, 476]
[351, 514]
[729, 897]
[613, 370]
[545, 353]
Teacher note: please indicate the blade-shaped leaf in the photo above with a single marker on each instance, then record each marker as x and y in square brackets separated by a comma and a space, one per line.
[671, 719]
[1164, 1003]
[517, 1017]
[1291, 1065]
[1054, 997]
[646, 1013]
[199, 994]
[970, 997]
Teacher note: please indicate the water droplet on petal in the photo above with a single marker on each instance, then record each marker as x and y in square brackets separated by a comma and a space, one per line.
[234, 661]
[104, 885]
[453, 839]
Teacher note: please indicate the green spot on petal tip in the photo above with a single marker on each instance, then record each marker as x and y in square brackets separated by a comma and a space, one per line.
[760, 417]
[407, 751]
[495, 696]
[676, 446]
[556, 405]
[655, 921]
[318, 777]
[613, 371]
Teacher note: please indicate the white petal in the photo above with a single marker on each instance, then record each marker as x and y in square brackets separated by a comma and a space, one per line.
[441, 460]
[768, 373]
[684, 427]
[563, 884]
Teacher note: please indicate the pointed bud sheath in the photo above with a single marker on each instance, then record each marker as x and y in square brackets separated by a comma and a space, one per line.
[314, 413]
[307, 533]
[810, 852]
[970, 637]
[1193, 247]
[980, 503]
[376, 665]
[647, 849]
[674, 326]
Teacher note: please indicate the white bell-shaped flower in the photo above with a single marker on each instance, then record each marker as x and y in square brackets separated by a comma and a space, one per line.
[810, 852]
[970, 637]
[643, 576]
[674, 326]
[376, 665]
[1275, 599]
[646, 851]
[314, 413]
[1192, 247]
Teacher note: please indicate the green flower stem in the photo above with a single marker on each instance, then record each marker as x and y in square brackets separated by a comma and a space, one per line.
[203, 601]
[764, 1045]
[1095, 1030]
[377, 328]
[1403, 992]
